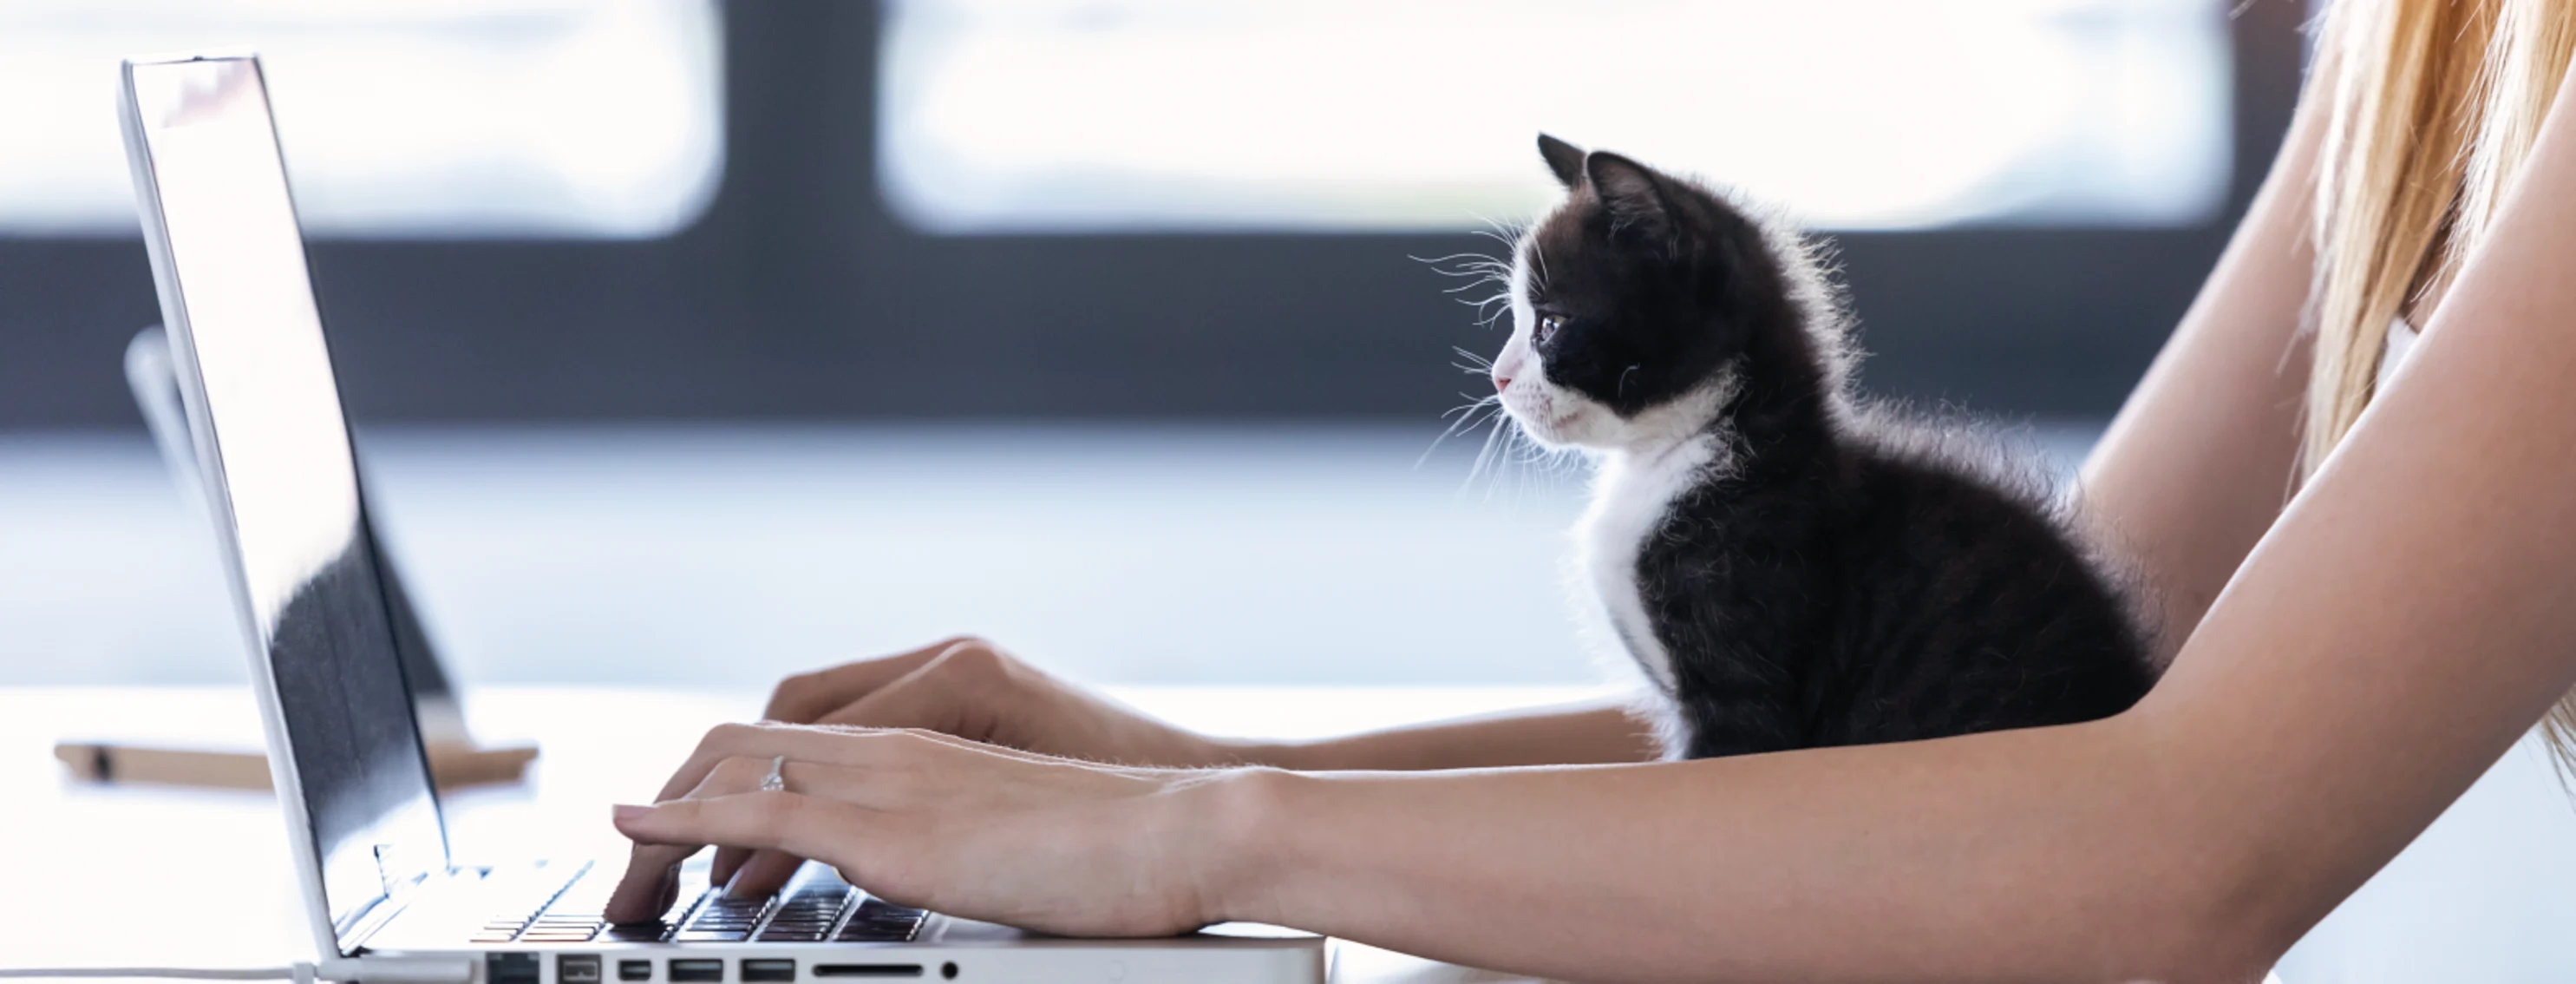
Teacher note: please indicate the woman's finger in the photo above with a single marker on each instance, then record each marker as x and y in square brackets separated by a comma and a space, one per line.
[763, 874]
[727, 861]
[702, 759]
[807, 697]
[652, 877]
[805, 826]
[939, 696]
[652, 870]
[801, 742]
[977, 694]
[871, 768]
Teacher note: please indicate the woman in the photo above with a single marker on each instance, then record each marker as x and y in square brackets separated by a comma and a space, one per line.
[2368, 576]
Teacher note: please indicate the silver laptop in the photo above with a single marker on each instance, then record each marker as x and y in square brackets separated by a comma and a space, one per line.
[344, 744]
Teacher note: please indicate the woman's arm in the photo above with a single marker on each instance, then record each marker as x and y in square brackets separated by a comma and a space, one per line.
[1581, 734]
[973, 689]
[970, 688]
[2201, 458]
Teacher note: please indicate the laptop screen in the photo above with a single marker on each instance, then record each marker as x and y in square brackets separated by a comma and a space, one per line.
[282, 481]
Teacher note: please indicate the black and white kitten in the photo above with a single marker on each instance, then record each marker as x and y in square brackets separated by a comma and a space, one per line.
[1789, 567]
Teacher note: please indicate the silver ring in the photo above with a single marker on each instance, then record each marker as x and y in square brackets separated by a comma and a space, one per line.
[776, 780]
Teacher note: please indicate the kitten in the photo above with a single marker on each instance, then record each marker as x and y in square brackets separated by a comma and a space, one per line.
[1788, 566]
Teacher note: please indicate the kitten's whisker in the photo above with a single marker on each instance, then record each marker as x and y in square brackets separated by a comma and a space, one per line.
[1444, 259]
[1459, 261]
[1468, 409]
[1522, 472]
[1485, 454]
[1506, 233]
[1465, 420]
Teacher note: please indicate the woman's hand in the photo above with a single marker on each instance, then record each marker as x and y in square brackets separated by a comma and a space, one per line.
[934, 821]
[970, 688]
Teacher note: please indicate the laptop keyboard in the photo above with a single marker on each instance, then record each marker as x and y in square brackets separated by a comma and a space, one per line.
[815, 907]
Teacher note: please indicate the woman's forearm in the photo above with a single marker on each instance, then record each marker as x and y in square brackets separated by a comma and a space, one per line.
[2200, 459]
[1996, 856]
[1582, 734]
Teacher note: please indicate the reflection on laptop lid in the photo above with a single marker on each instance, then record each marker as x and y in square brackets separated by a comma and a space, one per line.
[155, 384]
[282, 484]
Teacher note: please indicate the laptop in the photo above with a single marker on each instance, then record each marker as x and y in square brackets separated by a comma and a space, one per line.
[154, 382]
[344, 744]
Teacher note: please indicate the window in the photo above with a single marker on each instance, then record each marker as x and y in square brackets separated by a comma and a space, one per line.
[399, 118]
[1002, 116]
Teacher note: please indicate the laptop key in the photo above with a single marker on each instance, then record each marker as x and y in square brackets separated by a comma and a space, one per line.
[637, 932]
[880, 921]
[870, 933]
[877, 931]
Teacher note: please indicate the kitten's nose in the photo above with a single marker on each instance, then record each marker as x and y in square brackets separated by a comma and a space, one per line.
[1502, 383]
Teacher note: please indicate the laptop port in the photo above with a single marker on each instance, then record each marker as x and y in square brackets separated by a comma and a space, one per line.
[683, 971]
[511, 968]
[768, 970]
[570, 969]
[867, 970]
[635, 970]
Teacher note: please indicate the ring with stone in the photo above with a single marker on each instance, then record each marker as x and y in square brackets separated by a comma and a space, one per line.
[776, 780]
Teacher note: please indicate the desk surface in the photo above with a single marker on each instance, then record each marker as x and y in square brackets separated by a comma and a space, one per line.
[2488, 894]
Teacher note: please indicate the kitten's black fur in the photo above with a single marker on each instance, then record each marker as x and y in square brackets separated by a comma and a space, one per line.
[1841, 575]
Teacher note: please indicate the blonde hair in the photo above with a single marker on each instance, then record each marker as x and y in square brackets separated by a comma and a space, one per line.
[2436, 104]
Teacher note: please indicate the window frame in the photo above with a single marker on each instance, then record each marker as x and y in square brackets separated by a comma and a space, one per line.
[799, 296]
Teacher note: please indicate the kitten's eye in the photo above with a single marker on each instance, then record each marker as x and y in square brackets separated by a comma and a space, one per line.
[1547, 326]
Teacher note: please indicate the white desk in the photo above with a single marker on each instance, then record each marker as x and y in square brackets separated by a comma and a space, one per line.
[2488, 894]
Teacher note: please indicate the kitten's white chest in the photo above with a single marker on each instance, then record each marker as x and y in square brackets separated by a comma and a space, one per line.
[1630, 496]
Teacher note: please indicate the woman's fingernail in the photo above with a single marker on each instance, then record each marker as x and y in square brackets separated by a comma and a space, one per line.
[628, 812]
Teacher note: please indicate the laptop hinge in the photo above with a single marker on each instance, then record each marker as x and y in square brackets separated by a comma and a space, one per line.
[398, 897]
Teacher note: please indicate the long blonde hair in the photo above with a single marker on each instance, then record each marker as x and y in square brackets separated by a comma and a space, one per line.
[2436, 104]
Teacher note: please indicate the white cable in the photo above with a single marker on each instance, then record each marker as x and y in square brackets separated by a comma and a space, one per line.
[201, 974]
[376, 970]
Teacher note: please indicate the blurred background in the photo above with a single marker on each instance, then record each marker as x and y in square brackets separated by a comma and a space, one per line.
[695, 342]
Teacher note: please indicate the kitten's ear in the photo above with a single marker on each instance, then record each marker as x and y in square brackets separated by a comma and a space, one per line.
[1563, 158]
[1632, 193]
